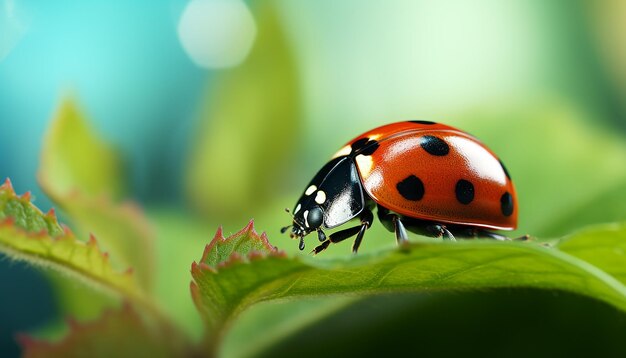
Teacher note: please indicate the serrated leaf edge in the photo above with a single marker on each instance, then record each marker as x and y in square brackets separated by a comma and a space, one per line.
[67, 235]
[124, 284]
[236, 257]
[27, 341]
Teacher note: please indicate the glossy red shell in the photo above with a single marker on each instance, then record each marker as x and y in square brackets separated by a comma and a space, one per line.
[400, 155]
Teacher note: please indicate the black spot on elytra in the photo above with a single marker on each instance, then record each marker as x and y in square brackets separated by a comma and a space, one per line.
[464, 191]
[423, 122]
[506, 204]
[435, 146]
[369, 148]
[359, 144]
[411, 188]
[505, 171]
[364, 146]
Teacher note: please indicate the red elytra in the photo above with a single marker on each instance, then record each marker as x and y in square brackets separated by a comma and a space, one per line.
[436, 178]
[400, 155]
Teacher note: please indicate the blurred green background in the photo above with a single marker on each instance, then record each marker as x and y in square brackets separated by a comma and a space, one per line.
[222, 110]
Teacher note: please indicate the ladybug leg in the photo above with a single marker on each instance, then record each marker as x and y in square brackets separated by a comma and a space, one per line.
[441, 231]
[393, 223]
[401, 236]
[492, 235]
[366, 222]
[336, 237]
[341, 235]
[320, 247]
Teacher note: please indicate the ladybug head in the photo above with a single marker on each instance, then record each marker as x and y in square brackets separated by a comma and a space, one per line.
[333, 197]
[306, 220]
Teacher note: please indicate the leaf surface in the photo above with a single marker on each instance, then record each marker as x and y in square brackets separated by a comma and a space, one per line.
[28, 234]
[117, 332]
[603, 246]
[223, 287]
[249, 126]
[84, 175]
[76, 159]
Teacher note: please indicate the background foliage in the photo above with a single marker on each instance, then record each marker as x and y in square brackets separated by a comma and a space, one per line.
[543, 84]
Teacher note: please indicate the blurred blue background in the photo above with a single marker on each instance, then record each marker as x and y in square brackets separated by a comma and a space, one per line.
[125, 63]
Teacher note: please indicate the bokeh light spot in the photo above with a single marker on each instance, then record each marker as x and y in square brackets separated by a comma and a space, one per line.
[217, 33]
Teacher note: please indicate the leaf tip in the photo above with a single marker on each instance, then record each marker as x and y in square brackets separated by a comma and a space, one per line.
[198, 267]
[67, 232]
[92, 240]
[7, 185]
[243, 246]
[217, 238]
[52, 214]
[27, 196]
[249, 227]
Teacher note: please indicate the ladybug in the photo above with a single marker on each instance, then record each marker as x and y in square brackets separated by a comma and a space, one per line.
[421, 176]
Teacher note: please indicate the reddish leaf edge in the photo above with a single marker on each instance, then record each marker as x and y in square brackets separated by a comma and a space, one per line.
[73, 341]
[134, 302]
[29, 343]
[67, 234]
[235, 257]
[126, 208]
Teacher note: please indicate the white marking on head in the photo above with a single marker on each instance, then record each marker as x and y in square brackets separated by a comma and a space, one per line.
[320, 198]
[365, 164]
[306, 221]
[310, 190]
[297, 209]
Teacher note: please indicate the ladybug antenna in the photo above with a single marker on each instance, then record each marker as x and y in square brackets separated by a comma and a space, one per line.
[294, 219]
[285, 228]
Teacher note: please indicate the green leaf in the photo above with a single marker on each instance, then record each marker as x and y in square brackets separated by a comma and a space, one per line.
[24, 215]
[117, 332]
[248, 128]
[29, 235]
[225, 285]
[83, 174]
[75, 159]
[122, 229]
[603, 246]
